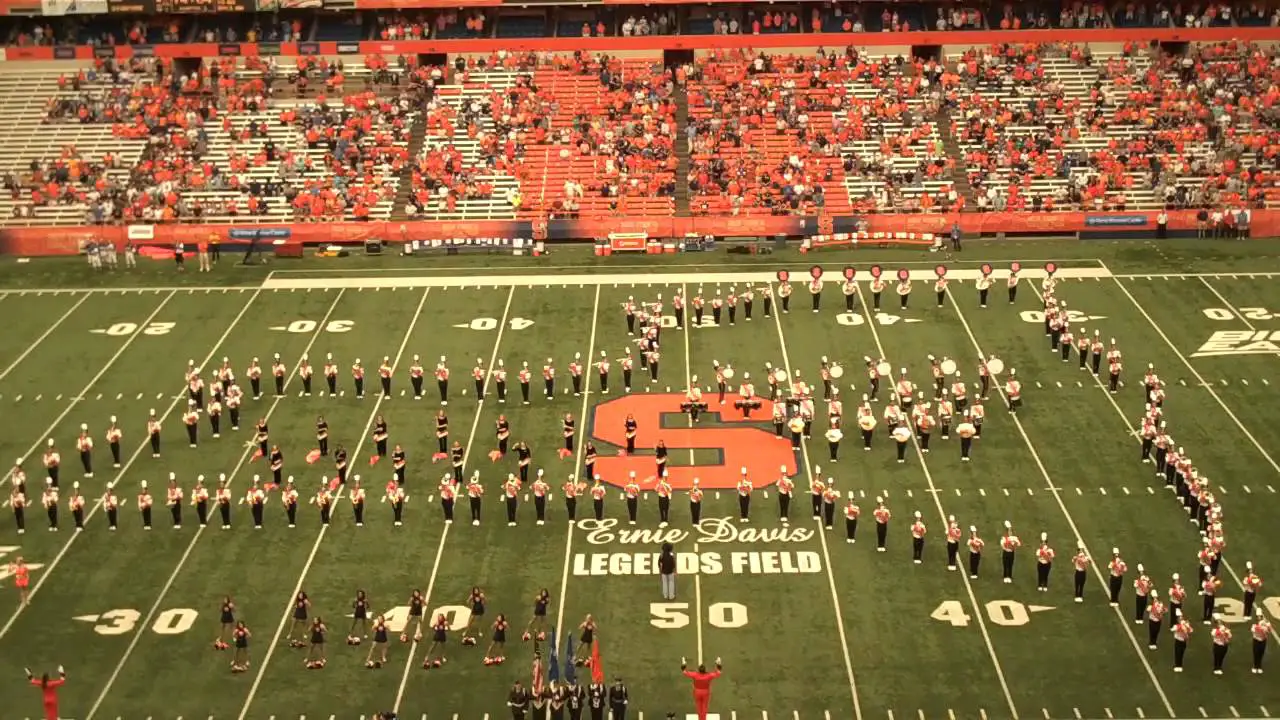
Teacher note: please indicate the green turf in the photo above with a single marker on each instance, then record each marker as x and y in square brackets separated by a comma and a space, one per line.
[854, 634]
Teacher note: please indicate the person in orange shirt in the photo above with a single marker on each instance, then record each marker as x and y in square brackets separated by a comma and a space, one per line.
[50, 690]
[701, 685]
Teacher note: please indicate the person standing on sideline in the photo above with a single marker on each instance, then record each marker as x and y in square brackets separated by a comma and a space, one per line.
[667, 571]
[701, 685]
[180, 256]
[202, 253]
[50, 690]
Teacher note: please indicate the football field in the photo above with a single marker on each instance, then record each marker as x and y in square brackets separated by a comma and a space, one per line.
[808, 625]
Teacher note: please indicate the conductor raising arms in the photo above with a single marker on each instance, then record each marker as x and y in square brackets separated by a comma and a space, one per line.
[50, 689]
[701, 685]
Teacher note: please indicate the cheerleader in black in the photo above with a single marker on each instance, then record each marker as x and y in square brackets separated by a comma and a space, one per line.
[315, 653]
[539, 621]
[300, 606]
[442, 432]
[416, 603]
[476, 599]
[588, 628]
[241, 635]
[380, 436]
[379, 644]
[440, 632]
[228, 623]
[494, 656]
[359, 618]
[322, 435]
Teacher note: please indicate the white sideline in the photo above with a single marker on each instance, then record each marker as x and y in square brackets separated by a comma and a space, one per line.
[195, 537]
[830, 275]
[822, 538]
[444, 534]
[942, 515]
[1057, 495]
[48, 331]
[48, 571]
[315, 547]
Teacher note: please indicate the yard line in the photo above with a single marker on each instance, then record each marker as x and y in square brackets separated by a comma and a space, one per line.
[1097, 572]
[195, 537]
[697, 577]
[1133, 432]
[1212, 393]
[577, 463]
[444, 534]
[822, 538]
[942, 513]
[48, 570]
[315, 547]
[42, 337]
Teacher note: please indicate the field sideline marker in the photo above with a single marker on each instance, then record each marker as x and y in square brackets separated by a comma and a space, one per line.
[315, 547]
[822, 537]
[1097, 572]
[444, 534]
[195, 537]
[577, 464]
[43, 337]
[942, 513]
[48, 571]
[1133, 432]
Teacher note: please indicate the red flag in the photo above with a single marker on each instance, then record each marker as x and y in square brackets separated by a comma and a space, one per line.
[256, 454]
[565, 453]
[437, 457]
[334, 484]
[373, 459]
[597, 669]
[495, 455]
[313, 456]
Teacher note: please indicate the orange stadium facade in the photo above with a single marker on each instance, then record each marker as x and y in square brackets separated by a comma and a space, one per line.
[35, 240]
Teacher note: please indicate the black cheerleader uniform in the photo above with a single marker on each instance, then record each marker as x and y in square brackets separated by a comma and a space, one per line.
[380, 437]
[228, 614]
[322, 436]
[442, 433]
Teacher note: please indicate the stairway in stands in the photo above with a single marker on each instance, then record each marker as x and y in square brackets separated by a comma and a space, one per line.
[960, 177]
[417, 139]
[682, 153]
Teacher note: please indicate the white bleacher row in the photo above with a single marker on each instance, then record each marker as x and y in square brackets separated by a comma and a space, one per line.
[29, 86]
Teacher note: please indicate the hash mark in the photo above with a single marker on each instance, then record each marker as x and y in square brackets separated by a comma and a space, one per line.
[1107, 710]
[1030, 491]
[957, 492]
[1045, 711]
[890, 715]
[982, 492]
[1234, 712]
[1263, 708]
[59, 397]
[1202, 712]
[139, 396]
[1182, 382]
[1265, 381]
[1271, 488]
[1076, 711]
[1150, 491]
[1126, 490]
[1079, 491]
[1059, 383]
[1140, 713]
[38, 397]
[1246, 382]
[1006, 491]
[1247, 490]
[1102, 490]
[909, 494]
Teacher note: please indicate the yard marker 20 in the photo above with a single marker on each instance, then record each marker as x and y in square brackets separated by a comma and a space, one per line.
[444, 534]
[315, 547]
[182, 561]
[937, 501]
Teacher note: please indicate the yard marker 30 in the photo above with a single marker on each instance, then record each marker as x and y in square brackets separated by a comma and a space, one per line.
[315, 547]
[444, 534]
[195, 537]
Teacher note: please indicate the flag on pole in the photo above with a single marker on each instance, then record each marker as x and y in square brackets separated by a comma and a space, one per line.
[553, 674]
[597, 669]
[570, 672]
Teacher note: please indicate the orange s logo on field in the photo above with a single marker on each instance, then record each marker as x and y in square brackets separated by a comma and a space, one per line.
[738, 442]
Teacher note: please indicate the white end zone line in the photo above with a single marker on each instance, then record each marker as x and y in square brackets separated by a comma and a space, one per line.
[1200, 378]
[822, 539]
[48, 331]
[577, 465]
[315, 547]
[444, 534]
[1057, 496]
[942, 514]
[48, 571]
[195, 537]
[657, 278]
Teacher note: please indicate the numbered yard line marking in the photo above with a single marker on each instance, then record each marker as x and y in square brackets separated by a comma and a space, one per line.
[822, 536]
[43, 336]
[44, 577]
[195, 537]
[315, 547]
[1133, 431]
[942, 513]
[1071, 523]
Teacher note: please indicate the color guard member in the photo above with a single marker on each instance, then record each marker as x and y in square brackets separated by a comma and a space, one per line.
[457, 457]
[340, 463]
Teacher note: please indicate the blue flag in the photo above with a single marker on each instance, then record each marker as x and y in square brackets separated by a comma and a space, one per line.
[569, 671]
[554, 673]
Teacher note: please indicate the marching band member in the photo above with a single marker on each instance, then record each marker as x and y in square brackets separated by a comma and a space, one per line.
[416, 373]
[784, 297]
[357, 502]
[225, 375]
[960, 391]
[976, 544]
[1209, 589]
[448, 496]
[331, 374]
[632, 493]
[749, 299]
[540, 491]
[967, 431]
[549, 380]
[977, 413]
[384, 377]
[278, 372]
[511, 495]
[940, 289]
[815, 293]
[946, 409]
[1067, 341]
[953, 536]
[289, 499]
[478, 376]
[902, 434]
[523, 376]
[747, 400]
[18, 502]
[677, 306]
[215, 415]
[1009, 544]
[904, 293]
[693, 399]
[304, 373]
[918, 531]
[458, 456]
[984, 288]
[851, 513]
[475, 495]
[717, 308]
[834, 435]
[223, 497]
[1057, 323]
[1114, 366]
[144, 506]
[1155, 620]
[1012, 284]
[830, 496]
[191, 418]
[785, 486]
[1117, 568]
[195, 386]
[1142, 588]
[84, 444]
[744, 488]
[850, 290]
[882, 517]
[924, 425]
[626, 363]
[234, 397]
[1177, 597]
[877, 289]
[1182, 630]
[602, 365]
[698, 308]
[629, 309]
[76, 504]
[50, 501]
[357, 378]
[114, 436]
[1044, 563]
[1221, 642]
[796, 426]
[1149, 431]
[663, 489]
[695, 503]
[112, 504]
[984, 378]
[1082, 348]
[254, 373]
[1095, 349]
[394, 494]
[1013, 391]
[323, 500]
[1259, 630]
[256, 499]
[1252, 584]
[173, 498]
[499, 374]
[52, 462]
[905, 390]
